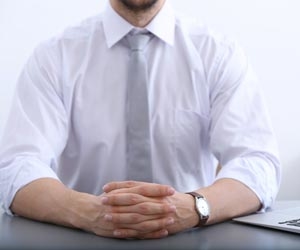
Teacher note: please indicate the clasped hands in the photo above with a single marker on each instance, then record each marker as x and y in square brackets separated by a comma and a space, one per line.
[144, 210]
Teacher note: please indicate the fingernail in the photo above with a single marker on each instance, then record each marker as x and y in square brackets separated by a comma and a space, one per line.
[171, 190]
[164, 233]
[117, 233]
[105, 187]
[172, 208]
[170, 221]
[104, 200]
[108, 217]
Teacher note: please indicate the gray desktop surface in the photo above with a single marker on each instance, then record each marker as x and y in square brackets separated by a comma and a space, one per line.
[21, 233]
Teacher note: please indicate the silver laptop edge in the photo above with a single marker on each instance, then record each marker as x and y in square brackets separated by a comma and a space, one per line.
[276, 219]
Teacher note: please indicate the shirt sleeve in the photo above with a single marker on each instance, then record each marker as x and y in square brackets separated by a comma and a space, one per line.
[36, 128]
[242, 138]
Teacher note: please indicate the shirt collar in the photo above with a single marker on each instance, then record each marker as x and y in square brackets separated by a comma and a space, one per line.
[163, 24]
[116, 27]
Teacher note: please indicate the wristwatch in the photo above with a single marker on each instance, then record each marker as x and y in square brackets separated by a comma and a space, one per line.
[202, 208]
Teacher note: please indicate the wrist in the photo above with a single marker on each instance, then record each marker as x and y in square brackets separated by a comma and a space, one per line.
[194, 217]
[201, 207]
[80, 207]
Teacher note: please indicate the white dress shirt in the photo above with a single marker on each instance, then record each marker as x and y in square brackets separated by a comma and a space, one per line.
[67, 119]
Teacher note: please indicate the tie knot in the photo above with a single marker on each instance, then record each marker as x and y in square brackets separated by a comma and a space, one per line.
[138, 41]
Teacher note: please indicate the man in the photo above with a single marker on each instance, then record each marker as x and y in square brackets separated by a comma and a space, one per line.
[64, 153]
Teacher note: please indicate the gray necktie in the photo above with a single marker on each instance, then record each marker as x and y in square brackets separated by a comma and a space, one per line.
[137, 111]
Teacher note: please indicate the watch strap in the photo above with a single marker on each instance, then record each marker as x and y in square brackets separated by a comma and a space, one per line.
[202, 219]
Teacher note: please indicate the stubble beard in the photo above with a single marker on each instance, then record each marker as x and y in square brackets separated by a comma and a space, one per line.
[139, 7]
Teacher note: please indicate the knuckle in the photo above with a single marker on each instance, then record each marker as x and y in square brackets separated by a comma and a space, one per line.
[143, 189]
[155, 235]
[129, 184]
[144, 209]
[133, 199]
[128, 234]
[116, 219]
[111, 200]
[134, 218]
[165, 209]
[152, 226]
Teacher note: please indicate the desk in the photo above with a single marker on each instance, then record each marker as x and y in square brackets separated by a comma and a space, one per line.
[20, 233]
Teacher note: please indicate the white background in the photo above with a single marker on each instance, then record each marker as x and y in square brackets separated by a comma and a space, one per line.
[268, 30]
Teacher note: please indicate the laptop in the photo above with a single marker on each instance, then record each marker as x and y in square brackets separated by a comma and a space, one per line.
[285, 219]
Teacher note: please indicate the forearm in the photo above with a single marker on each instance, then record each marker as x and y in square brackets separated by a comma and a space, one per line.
[229, 198]
[48, 200]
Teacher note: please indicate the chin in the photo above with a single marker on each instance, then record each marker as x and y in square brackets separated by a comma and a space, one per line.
[138, 5]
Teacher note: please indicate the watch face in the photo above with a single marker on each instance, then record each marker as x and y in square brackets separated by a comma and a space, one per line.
[202, 207]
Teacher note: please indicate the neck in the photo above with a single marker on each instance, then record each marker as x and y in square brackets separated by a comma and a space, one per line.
[137, 17]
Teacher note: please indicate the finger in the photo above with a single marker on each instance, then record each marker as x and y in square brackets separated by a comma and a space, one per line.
[125, 234]
[146, 189]
[151, 225]
[120, 184]
[123, 199]
[155, 235]
[153, 190]
[129, 218]
[133, 203]
[146, 208]
[129, 199]
[144, 228]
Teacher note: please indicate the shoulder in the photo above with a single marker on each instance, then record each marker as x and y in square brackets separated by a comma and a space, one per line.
[83, 30]
[220, 56]
[73, 40]
[204, 38]
[73, 35]
[211, 45]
